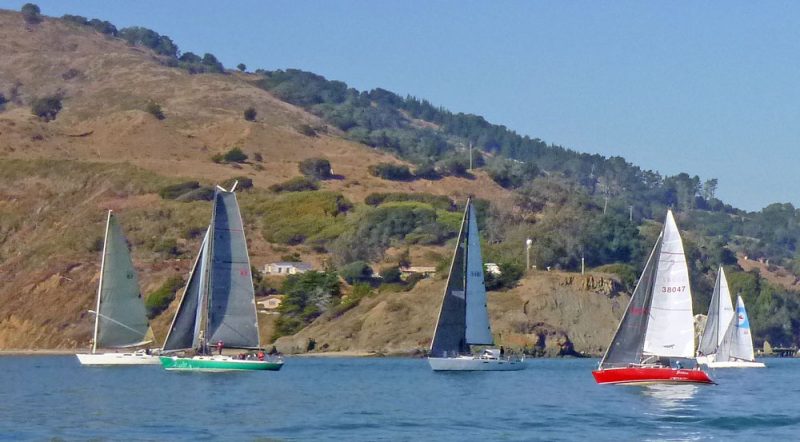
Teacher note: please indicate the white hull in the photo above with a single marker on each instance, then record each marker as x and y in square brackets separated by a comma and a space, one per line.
[704, 359]
[736, 364]
[137, 358]
[473, 363]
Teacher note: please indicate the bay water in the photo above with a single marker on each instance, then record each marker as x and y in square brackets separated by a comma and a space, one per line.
[392, 399]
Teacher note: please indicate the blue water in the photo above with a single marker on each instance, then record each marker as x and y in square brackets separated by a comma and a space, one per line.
[387, 399]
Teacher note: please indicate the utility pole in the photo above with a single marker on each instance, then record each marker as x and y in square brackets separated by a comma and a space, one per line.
[470, 156]
[630, 213]
[528, 244]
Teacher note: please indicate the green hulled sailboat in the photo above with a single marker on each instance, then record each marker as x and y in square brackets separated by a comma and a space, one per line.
[218, 305]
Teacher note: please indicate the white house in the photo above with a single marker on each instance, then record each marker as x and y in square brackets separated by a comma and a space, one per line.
[286, 268]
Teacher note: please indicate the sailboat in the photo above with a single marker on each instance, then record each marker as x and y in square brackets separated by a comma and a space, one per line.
[463, 318]
[657, 325]
[218, 305]
[720, 313]
[120, 316]
[736, 348]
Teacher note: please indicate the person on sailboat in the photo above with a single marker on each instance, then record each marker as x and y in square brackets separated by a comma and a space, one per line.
[220, 344]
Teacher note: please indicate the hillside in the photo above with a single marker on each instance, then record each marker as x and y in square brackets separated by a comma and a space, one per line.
[108, 148]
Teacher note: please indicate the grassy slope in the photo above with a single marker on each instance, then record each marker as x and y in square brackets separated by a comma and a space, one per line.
[103, 151]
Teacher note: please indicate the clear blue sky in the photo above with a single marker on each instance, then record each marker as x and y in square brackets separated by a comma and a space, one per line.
[707, 88]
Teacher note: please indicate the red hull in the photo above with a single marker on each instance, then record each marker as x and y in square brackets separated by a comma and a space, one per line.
[650, 375]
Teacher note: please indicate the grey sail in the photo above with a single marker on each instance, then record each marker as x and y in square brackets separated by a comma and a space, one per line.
[450, 335]
[478, 330]
[628, 342]
[710, 338]
[122, 319]
[186, 323]
[231, 302]
[729, 342]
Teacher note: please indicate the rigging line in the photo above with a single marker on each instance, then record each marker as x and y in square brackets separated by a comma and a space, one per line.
[116, 322]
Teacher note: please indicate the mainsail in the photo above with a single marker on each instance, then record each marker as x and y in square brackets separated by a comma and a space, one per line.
[219, 300]
[231, 305]
[658, 320]
[463, 318]
[737, 343]
[720, 313]
[121, 316]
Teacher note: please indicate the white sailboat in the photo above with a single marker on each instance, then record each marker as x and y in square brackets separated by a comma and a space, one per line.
[736, 348]
[657, 327]
[218, 305]
[120, 316]
[463, 318]
[720, 313]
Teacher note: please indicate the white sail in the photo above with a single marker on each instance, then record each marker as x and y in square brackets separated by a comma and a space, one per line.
[670, 329]
[720, 313]
[725, 305]
[742, 347]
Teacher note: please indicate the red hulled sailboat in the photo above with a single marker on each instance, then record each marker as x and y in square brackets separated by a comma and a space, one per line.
[656, 332]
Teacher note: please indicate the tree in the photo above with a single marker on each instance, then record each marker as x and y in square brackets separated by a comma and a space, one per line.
[250, 114]
[242, 67]
[357, 271]
[710, 188]
[31, 13]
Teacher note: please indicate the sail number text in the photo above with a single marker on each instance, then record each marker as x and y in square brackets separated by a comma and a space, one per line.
[675, 289]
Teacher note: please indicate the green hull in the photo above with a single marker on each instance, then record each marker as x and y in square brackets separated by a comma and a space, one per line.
[216, 363]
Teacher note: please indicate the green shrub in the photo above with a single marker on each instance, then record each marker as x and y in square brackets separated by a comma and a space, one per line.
[316, 168]
[159, 300]
[440, 202]
[234, 155]
[510, 273]
[46, 107]
[427, 172]
[305, 297]
[296, 184]
[31, 13]
[242, 67]
[390, 275]
[390, 171]
[154, 109]
[250, 114]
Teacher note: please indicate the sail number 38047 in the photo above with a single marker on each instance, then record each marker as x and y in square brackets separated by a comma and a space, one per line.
[673, 289]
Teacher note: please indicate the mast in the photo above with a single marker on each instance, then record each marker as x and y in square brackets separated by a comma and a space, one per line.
[100, 285]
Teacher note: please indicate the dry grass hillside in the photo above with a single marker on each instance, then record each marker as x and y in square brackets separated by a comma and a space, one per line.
[103, 151]
[554, 312]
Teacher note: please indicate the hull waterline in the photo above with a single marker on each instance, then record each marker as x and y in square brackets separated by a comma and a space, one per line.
[106, 359]
[650, 375]
[218, 363]
[464, 363]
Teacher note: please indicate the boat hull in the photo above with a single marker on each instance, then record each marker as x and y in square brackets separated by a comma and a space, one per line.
[468, 363]
[650, 375]
[218, 363]
[117, 359]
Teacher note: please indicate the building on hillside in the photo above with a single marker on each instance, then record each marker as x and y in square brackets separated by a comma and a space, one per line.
[425, 271]
[286, 268]
[492, 268]
[270, 303]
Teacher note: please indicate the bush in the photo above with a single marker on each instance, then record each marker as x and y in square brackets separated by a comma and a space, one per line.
[242, 67]
[235, 155]
[77, 19]
[357, 271]
[510, 273]
[244, 183]
[295, 217]
[307, 130]
[31, 13]
[174, 191]
[297, 184]
[250, 114]
[427, 172]
[200, 194]
[390, 275]
[154, 109]
[159, 300]
[46, 107]
[390, 171]
[436, 201]
[316, 168]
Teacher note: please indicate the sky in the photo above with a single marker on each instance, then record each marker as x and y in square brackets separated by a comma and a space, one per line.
[707, 88]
